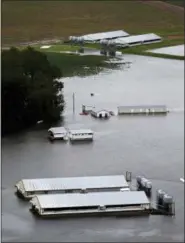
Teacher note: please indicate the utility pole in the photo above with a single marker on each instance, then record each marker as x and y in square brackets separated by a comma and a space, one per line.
[73, 103]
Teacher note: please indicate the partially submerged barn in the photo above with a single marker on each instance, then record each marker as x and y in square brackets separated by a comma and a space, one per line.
[142, 109]
[98, 113]
[27, 188]
[107, 203]
[134, 40]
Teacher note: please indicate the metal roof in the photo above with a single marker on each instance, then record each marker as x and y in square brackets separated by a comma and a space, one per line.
[92, 199]
[67, 183]
[57, 130]
[137, 38]
[143, 107]
[104, 35]
[77, 131]
[100, 110]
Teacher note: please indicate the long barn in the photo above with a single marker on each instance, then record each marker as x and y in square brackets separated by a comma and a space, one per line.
[27, 188]
[107, 203]
[142, 109]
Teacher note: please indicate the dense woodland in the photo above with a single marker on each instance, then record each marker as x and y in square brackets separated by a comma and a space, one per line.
[30, 90]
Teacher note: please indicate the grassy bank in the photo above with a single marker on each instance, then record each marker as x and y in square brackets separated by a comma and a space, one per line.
[24, 21]
[71, 64]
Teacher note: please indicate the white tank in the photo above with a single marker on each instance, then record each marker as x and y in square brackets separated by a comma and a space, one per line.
[80, 39]
[138, 179]
[143, 181]
[104, 42]
[111, 43]
[148, 184]
[160, 193]
[167, 199]
[75, 38]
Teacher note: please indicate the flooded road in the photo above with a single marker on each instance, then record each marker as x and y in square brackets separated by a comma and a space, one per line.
[152, 146]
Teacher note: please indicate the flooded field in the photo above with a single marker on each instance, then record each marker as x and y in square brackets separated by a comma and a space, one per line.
[146, 145]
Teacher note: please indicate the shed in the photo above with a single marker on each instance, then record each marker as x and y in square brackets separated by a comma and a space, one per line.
[100, 113]
[27, 188]
[91, 203]
[57, 130]
[57, 133]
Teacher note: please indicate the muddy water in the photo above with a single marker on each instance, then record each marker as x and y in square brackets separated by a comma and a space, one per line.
[151, 146]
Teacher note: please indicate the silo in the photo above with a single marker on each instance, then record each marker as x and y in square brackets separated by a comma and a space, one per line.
[168, 204]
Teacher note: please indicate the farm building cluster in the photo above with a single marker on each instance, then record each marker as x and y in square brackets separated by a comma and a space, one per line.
[125, 110]
[113, 40]
[122, 38]
[61, 133]
[93, 196]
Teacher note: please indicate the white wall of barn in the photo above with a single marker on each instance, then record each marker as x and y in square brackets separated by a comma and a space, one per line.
[102, 113]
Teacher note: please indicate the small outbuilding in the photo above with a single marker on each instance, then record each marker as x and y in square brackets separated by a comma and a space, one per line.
[100, 114]
[56, 133]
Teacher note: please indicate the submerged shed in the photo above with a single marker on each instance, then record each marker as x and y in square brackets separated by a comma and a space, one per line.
[81, 134]
[55, 133]
[91, 203]
[27, 188]
[100, 113]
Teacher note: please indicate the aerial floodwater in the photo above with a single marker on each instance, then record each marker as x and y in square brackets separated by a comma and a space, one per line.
[152, 146]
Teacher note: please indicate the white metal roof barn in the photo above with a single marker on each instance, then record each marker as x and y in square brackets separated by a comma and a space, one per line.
[138, 39]
[142, 109]
[56, 130]
[80, 131]
[65, 204]
[92, 199]
[104, 35]
[29, 187]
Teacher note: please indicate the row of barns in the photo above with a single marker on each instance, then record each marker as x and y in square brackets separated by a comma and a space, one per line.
[93, 195]
[122, 38]
[128, 110]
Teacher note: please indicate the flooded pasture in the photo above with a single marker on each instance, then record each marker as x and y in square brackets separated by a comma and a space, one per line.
[152, 146]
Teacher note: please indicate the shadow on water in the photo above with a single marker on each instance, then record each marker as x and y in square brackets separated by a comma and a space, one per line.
[142, 115]
[57, 141]
[20, 136]
[87, 217]
[86, 143]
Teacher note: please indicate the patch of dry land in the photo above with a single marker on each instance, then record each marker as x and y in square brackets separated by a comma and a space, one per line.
[24, 21]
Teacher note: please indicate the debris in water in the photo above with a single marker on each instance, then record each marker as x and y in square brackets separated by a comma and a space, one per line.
[41, 121]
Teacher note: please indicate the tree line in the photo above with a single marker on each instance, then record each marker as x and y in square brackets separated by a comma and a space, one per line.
[30, 89]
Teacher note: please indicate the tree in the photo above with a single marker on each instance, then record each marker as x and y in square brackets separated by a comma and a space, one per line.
[30, 89]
